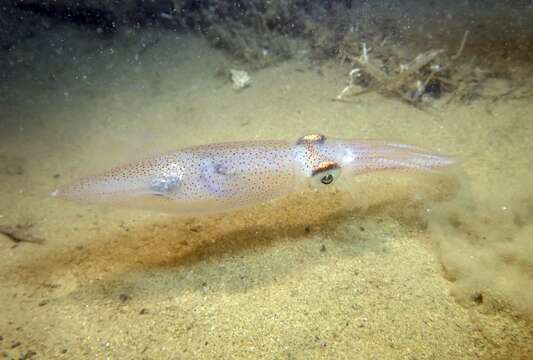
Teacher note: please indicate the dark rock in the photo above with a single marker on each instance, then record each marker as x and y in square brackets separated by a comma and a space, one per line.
[28, 355]
[124, 297]
[478, 298]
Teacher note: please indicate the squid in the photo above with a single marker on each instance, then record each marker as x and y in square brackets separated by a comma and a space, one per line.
[221, 177]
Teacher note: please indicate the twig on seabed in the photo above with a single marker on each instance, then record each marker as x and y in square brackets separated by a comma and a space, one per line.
[356, 72]
[364, 57]
[462, 46]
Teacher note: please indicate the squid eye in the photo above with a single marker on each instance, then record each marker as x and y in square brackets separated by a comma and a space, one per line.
[326, 172]
[327, 179]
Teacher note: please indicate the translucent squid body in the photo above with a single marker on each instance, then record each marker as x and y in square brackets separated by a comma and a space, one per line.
[226, 176]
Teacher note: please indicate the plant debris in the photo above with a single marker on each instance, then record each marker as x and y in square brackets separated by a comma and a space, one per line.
[425, 78]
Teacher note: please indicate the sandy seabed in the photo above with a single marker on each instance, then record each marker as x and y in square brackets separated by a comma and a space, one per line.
[302, 278]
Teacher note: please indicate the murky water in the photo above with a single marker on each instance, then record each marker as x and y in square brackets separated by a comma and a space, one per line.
[390, 265]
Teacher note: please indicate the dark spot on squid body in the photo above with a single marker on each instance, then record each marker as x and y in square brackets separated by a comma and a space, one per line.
[220, 169]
